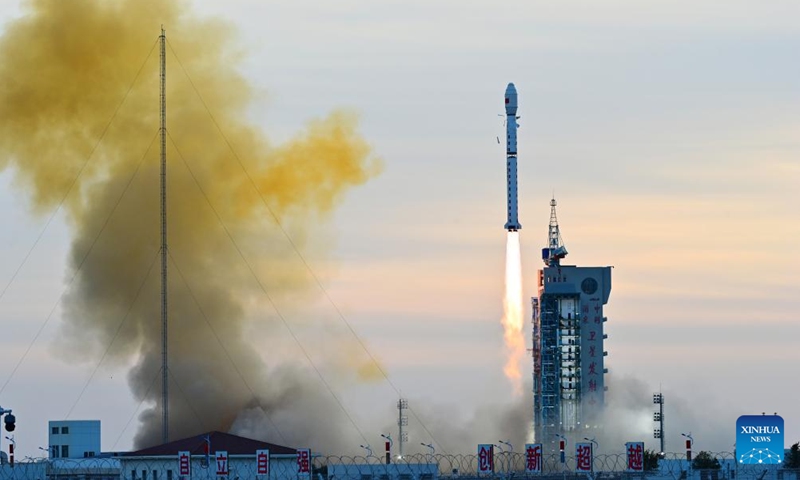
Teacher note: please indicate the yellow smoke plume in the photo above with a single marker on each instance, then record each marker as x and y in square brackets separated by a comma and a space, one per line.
[65, 68]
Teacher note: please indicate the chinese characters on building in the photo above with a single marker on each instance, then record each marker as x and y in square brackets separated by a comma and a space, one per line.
[635, 456]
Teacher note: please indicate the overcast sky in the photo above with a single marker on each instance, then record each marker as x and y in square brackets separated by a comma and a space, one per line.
[668, 131]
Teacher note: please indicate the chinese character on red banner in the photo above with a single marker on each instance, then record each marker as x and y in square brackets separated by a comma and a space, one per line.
[592, 386]
[583, 457]
[585, 309]
[591, 351]
[185, 463]
[304, 462]
[533, 458]
[262, 462]
[222, 463]
[592, 335]
[593, 368]
[485, 458]
[635, 452]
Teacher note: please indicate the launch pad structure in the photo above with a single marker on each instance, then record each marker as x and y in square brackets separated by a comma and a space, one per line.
[568, 337]
[568, 343]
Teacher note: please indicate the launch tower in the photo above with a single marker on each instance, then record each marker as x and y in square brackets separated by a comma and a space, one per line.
[568, 354]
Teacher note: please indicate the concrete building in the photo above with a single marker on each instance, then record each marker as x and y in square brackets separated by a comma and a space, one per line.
[73, 438]
[568, 343]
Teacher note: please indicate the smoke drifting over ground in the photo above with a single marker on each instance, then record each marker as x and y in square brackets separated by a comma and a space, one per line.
[628, 417]
[489, 423]
[64, 68]
[629, 412]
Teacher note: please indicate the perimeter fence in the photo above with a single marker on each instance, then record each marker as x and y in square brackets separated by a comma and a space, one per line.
[506, 465]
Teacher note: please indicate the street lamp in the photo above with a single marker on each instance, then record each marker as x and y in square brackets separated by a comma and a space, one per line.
[389, 448]
[508, 453]
[561, 447]
[368, 449]
[593, 442]
[563, 440]
[433, 450]
[689, 445]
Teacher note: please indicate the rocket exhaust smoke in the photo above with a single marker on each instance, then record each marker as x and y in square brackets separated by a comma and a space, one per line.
[65, 66]
[512, 314]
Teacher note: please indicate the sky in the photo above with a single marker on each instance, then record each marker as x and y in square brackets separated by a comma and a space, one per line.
[667, 131]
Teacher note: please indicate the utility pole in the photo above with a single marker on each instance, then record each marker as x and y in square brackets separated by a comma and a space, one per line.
[164, 364]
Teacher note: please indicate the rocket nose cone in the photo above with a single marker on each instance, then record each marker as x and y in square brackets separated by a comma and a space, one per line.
[511, 99]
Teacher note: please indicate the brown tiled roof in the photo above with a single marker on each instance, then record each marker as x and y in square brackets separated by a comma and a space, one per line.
[220, 442]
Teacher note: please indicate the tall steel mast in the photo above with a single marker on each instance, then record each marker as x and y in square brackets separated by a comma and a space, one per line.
[164, 365]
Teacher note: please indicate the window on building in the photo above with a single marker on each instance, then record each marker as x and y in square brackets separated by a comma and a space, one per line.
[64, 430]
[155, 474]
[55, 430]
[65, 451]
[169, 474]
[144, 474]
[54, 451]
[133, 474]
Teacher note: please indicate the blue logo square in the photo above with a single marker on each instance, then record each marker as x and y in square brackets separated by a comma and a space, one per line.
[759, 440]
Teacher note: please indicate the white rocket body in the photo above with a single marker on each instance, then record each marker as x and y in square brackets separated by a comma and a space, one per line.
[512, 224]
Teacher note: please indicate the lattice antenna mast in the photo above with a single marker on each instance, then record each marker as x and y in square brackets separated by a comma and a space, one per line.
[555, 245]
[164, 364]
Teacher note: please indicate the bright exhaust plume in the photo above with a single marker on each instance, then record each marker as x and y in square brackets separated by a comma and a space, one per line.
[512, 314]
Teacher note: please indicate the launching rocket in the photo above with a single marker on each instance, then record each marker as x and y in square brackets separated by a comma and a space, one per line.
[512, 225]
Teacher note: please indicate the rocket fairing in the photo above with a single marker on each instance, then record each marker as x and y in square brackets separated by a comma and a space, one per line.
[512, 225]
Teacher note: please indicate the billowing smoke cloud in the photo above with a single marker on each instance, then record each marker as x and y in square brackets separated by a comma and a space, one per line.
[458, 432]
[65, 66]
[628, 417]
[629, 412]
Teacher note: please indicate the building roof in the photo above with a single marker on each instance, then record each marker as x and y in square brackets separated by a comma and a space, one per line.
[220, 442]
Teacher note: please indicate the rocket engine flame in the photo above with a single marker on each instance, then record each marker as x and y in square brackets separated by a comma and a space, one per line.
[512, 314]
